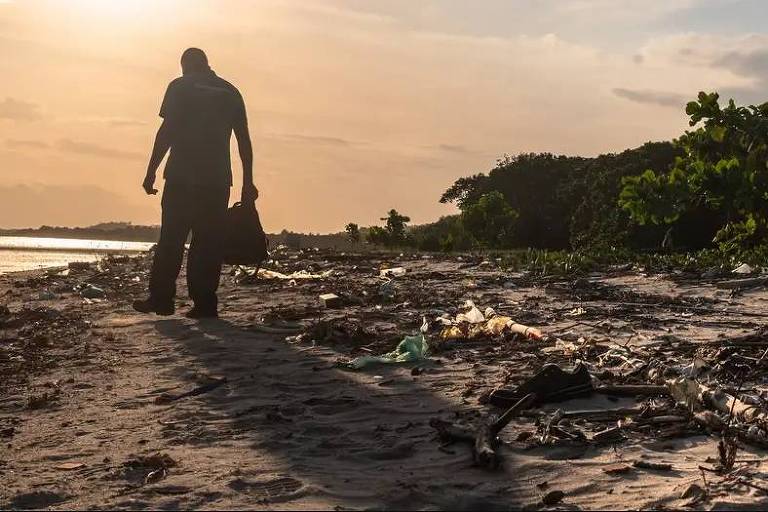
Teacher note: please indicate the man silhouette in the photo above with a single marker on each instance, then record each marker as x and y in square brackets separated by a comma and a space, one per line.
[200, 111]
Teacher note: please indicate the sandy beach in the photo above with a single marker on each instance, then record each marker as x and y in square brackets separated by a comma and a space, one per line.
[101, 407]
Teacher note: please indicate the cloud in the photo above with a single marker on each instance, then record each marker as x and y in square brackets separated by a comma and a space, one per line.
[18, 110]
[665, 99]
[317, 139]
[125, 123]
[86, 148]
[21, 144]
[742, 60]
[454, 148]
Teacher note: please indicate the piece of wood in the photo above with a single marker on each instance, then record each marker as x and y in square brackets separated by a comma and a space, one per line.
[593, 414]
[736, 284]
[330, 300]
[617, 469]
[633, 390]
[656, 466]
[484, 439]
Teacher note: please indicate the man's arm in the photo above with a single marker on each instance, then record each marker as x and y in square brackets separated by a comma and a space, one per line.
[161, 147]
[250, 192]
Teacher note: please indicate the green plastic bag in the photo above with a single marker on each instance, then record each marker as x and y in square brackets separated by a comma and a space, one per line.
[412, 348]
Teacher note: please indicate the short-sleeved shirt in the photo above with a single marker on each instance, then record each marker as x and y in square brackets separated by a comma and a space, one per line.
[201, 111]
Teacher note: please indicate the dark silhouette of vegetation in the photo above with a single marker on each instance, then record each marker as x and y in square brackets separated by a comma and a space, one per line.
[393, 234]
[353, 232]
[710, 185]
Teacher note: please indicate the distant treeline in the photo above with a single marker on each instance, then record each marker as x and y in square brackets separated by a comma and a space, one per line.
[122, 231]
[125, 231]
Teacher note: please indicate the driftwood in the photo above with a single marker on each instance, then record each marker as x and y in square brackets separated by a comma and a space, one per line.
[592, 414]
[633, 390]
[742, 284]
[485, 439]
[714, 423]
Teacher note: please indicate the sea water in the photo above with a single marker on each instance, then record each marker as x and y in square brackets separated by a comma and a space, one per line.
[29, 253]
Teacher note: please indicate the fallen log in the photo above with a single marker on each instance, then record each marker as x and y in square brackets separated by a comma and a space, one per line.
[740, 284]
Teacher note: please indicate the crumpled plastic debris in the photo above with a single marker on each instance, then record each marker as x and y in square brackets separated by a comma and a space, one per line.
[473, 323]
[473, 316]
[45, 295]
[743, 269]
[245, 275]
[392, 272]
[412, 348]
[619, 358]
[92, 292]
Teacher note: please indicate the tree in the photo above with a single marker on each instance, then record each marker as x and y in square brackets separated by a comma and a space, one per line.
[531, 184]
[395, 227]
[378, 236]
[722, 169]
[490, 220]
[353, 232]
[393, 233]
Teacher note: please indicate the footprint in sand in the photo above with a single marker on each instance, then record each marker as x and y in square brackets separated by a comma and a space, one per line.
[275, 490]
[331, 406]
[35, 500]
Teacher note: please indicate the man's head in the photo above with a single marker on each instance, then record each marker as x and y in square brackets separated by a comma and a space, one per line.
[193, 60]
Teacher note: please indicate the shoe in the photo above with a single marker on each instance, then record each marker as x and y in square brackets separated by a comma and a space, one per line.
[152, 306]
[551, 384]
[200, 313]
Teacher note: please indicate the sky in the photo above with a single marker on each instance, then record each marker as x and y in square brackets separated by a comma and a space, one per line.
[355, 106]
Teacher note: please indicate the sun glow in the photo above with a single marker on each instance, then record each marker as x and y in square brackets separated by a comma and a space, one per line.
[122, 11]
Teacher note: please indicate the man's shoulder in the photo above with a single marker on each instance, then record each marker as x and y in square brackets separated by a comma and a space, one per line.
[176, 82]
[227, 85]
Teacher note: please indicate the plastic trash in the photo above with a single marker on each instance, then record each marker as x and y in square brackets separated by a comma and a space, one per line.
[393, 272]
[412, 348]
[301, 274]
[473, 316]
[743, 269]
[387, 290]
[473, 324]
[248, 275]
[92, 292]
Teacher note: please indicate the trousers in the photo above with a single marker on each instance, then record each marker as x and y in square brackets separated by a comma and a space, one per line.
[199, 210]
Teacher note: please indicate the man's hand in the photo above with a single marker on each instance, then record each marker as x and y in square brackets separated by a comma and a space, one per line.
[149, 184]
[250, 193]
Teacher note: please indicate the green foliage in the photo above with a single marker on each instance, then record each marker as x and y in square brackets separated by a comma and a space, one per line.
[570, 202]
[722, 169]
[393, 233]
[597, 221]
[353, 232]
[532, 185]
[447, 234]
[378, 236]
[395, 227]
[490, 220]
